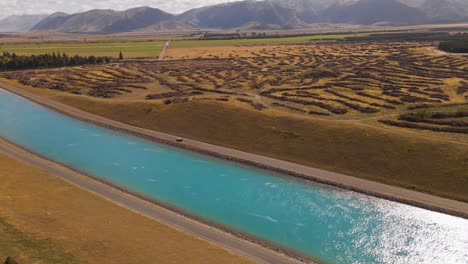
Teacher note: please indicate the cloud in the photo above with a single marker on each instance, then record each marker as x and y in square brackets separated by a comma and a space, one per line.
[20, 7]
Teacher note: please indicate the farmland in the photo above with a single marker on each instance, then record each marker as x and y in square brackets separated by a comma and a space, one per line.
[131, 49]
[255, 41]
[332, 80]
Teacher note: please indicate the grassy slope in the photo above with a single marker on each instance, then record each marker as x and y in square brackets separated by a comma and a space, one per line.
[412, 162]
[46, 220]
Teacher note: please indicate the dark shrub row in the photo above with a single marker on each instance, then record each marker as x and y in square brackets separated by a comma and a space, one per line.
[425, 127]
[463, 88]
[172, 94]
[301, 110]
[443, 115]
[455, 46]
[257, 106]
[359, 100]
[425, 106]
[415, 99]
[417, 118]
[390, 101]
[441, 96]
[332, 109]
[362, 109]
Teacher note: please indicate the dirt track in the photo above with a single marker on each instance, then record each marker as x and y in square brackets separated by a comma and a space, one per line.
[164, 50]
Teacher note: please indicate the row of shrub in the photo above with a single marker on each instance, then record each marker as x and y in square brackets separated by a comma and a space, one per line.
[463, 130]
[297, 109]
[332, 109]
[425, 106]
[391, 101]
[436, 95]
[420, 118]
[444, 115]
[258, 106]
[172, 94]
[359, 100]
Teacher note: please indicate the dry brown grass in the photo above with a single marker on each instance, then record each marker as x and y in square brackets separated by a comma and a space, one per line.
[46, 220]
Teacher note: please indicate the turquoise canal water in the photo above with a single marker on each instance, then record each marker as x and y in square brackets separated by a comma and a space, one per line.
[329, 224]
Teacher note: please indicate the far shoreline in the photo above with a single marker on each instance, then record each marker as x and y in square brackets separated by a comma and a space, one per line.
[392, 193]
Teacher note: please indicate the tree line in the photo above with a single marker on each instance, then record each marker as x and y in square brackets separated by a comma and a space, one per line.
[456, 46]
[12, 61]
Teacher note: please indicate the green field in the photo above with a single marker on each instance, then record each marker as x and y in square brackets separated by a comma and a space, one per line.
[255, 41]
[135, 49]
[145, 49]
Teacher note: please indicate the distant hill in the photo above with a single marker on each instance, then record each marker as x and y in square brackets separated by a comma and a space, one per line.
[104, 21]
[250, 14]
[166, 26]
[445, 10]
[240, 14]
[51, 22]
[22, 23]
[306, 10]
[367, 12]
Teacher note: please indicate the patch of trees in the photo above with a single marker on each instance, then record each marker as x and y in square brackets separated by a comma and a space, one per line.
[463, 88]
[10, 260]
[454, 46]
[12, 61]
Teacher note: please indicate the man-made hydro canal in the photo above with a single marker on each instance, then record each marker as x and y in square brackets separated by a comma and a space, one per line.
[326, 223]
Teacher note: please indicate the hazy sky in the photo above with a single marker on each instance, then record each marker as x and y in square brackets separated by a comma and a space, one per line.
[19, 7]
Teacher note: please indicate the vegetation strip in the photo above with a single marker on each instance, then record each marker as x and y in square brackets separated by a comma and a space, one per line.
[343, 181]
[20, 62]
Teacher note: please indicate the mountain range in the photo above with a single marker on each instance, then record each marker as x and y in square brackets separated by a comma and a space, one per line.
[266, 14]
[20, 23]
